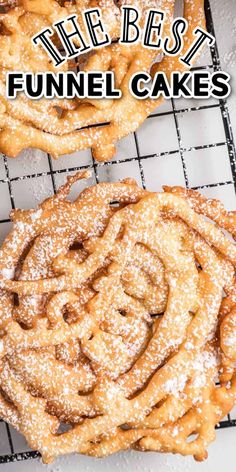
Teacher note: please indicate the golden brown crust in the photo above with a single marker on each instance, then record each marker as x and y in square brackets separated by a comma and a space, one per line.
[25, 123]
[91, 275]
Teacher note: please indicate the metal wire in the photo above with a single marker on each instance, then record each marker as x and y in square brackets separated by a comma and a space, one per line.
[140, 159]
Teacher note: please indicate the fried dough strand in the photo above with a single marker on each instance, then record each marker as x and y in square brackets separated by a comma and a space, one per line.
[114, 320]
[64, 126]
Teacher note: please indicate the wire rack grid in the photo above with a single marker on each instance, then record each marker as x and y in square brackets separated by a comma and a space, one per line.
[176, 145]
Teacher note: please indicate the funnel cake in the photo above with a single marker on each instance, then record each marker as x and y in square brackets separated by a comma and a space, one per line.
[114, 321]
[64, 126]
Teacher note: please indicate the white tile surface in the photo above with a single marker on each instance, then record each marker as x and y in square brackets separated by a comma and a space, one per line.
[214, 161]
[20, 444]
[30, 161]
[126, 148]
[165, 107]
[4, 444]
[157, 134]
[164, 169]
[204, 59]
[76, 159]
[201, 127]
[28, 193]
[183, 103]
[225, 193]
[2, 169]
[116, 172]
[5, 202]
[4, 230]
[60, 179]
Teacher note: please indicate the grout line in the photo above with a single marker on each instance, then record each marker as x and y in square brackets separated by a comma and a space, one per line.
[198, 187]
[185, 110]
[51, 173]
[181, 150]
[226, 424]
[229, 138]
[5, 221]
[95, 166]
[139, 161]
[110, 163]
[8, 180]
[9, 438]
[44, 174]
[209, 66]
[204, 146]
[223, 103]
[21, 456]
[219, 184]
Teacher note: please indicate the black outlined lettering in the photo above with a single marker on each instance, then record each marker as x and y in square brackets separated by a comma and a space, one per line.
[178, 28]
[135, 85]
[152, 28]
[130, 31]
[95, 28]
[75, 87]
[220, 85]
[54, 83]
[161, 86]
[196, 84]
[94, 85]
[179, 84]
[203, 37]
[43, 39]
[201, 84]
[66, 38]
[15, 84]
[34, 85]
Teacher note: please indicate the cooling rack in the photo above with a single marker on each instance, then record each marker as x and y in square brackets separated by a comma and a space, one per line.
[178, 144]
